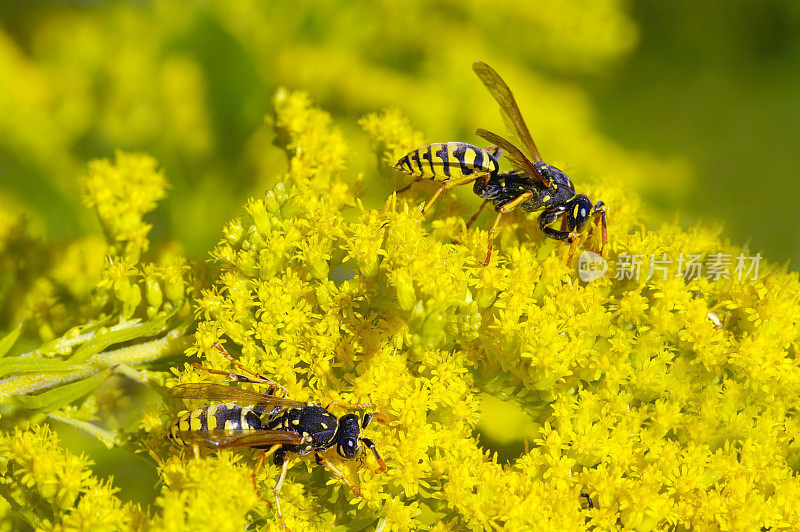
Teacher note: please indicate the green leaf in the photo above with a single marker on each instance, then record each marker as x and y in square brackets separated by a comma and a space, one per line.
[61, 396]
[8, 341]
[108, 438]
[57, 344]
[106, 338]
[33, 365]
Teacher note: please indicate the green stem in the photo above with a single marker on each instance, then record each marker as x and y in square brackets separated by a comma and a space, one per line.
[170, 345]
[30, 515]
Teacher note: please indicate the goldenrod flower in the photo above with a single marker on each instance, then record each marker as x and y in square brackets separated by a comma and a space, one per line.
[122, 193]
[668, 398]
[639, 396]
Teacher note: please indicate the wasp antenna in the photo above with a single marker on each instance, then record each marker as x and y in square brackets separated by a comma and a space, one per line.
[381, 417]
[366, 420]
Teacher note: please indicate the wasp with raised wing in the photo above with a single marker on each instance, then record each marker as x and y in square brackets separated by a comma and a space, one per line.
[281, 427]
[532, 184]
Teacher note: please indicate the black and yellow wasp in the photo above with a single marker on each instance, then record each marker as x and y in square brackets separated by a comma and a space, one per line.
[270, 422]
[532, 184]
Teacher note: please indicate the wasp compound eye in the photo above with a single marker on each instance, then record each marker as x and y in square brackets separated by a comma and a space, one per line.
[348, 448]
[579, 211]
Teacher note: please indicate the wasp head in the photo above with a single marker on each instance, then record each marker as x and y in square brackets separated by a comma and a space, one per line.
[579, 210]
[348, 438]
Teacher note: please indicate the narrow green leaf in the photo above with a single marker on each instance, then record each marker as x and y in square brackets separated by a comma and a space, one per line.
[8, 341]
[33, 364]
[69, 338]
[106, 338]
[108, 438]
[61, 396]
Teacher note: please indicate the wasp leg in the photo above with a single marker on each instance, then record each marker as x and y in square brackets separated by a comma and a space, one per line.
[572, 245]
[496, 151]
[475, 216]
[337, 473]
[277, 490]
[600, 210]
[573, 242]
[508, 207]
[548, 217]
[450, 183]
[588, 500]
[234, 377]
[401, 190]
[259, 464]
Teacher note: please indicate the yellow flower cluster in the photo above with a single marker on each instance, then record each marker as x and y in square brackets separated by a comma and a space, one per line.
[83, 312]
[204, 494]
[53, 489]
[662, 415]
[670, 401]
[122, 193]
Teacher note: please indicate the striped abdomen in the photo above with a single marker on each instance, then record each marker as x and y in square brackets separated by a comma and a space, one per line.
[228, 416]
[445, 160]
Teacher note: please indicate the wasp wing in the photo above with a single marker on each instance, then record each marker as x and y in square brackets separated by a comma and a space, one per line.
[228, 439]
[508, 104]
[220, 392]
[518, 160]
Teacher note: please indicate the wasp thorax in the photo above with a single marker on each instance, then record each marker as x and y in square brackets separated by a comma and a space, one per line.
[553, 175]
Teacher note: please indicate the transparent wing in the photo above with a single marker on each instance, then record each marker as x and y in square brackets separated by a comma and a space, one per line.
[518, 160]
[508, 104]
[226, 439]
[220, 392]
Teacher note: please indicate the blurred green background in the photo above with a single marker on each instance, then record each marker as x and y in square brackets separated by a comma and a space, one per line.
[714, 83]
[718, 82]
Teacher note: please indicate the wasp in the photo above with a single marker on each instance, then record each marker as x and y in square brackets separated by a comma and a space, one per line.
[532, 184]
[279, 426]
